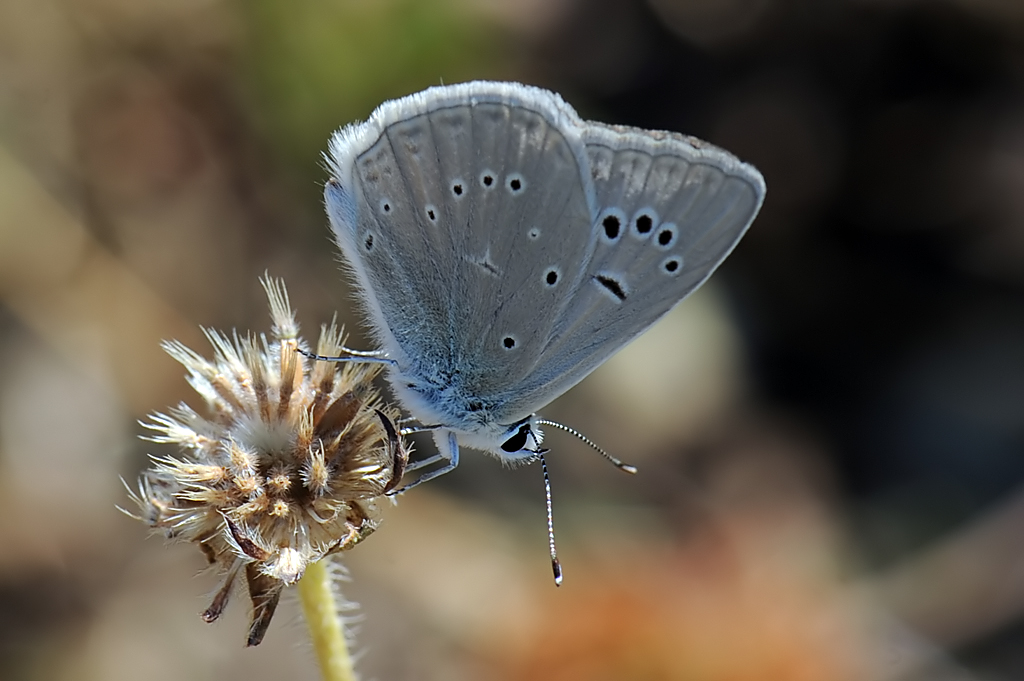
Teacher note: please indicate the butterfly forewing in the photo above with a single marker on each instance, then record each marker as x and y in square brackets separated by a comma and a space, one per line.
[481, 225]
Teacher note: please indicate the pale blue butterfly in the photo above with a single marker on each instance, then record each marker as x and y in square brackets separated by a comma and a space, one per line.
[504, 248]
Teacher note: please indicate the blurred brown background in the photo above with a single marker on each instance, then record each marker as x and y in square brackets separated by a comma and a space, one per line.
[830, 434]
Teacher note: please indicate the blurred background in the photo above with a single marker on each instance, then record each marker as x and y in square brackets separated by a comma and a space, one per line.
[830, 433]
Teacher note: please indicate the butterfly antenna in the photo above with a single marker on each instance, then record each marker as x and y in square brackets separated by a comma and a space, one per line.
[556, 567]
[572, 431]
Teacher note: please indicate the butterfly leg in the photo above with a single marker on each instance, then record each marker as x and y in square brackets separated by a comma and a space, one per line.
[423, 463]
[368, 357]
[452, 462]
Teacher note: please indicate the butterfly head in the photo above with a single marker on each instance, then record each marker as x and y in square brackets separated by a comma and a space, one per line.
[521, 440]
[516, 443]
[443, 405]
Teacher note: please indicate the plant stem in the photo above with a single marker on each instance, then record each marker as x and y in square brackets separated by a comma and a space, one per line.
[325, 628]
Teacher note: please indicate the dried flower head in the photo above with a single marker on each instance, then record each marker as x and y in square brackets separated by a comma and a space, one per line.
[289, 467]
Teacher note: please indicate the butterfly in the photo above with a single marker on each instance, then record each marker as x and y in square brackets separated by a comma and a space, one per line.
[504, 248]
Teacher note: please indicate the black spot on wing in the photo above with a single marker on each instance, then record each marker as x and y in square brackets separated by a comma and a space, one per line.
[614, 286]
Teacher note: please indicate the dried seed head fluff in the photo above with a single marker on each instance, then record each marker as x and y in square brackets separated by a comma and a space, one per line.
[289, 466]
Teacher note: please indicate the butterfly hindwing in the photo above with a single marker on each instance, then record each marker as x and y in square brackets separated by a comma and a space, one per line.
[667, 213]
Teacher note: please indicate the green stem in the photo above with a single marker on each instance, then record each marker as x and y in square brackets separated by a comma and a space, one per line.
[325, 628]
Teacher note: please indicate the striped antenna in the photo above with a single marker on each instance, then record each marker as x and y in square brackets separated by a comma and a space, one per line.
[556, 567]
[572, 431]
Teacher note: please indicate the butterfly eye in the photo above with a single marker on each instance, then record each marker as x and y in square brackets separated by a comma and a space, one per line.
[518, 441]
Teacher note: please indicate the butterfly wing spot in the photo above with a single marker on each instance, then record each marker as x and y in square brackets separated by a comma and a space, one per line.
[643, 224]
[457, 188]
[551, 277]
[611, 221]
[375, 164]
[368, 242]
[508, 342]
[412, 147]
[485, 264]
[431, 212]
[490, 268]
[533, 234]
[667, 236]
[515, 183]
[672, 265]
[385, 206]
[611, 226]
[487, 178]
[612, 285]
